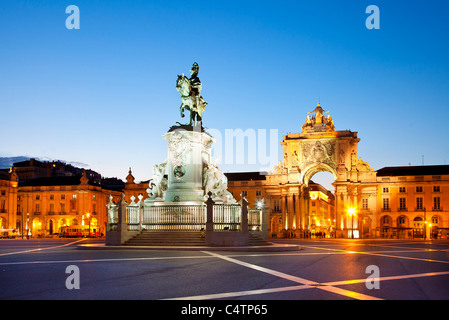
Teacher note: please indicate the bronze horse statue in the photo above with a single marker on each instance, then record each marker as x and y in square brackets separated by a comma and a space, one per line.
[190, 100]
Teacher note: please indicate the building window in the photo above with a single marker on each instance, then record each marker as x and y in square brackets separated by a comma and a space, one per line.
[402, 189]
[419, 204]
[258, 193]
[62, 196]
[435, 220]
[276, 206]
[418, 223]
[52, 197]
[386, 203]
[52, 207]
[72, 205]
[402, 204]
[436, 203]
[386, 220]
[94, 197]
[73, 196]
[436, 188]
[244, 193]
[385, 190]
[62, 207]
[365, 204]
[3, 192]
[401, 220]
[37, 208]
[419, 189]
[38, 197]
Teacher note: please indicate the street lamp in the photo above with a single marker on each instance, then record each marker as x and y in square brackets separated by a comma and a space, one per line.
[351, 212]
[88, 218]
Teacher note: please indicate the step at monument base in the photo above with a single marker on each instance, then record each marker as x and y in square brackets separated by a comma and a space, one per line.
[168, 238]
[182, 238]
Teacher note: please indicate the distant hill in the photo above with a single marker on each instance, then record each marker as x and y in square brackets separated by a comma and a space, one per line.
[7, 162]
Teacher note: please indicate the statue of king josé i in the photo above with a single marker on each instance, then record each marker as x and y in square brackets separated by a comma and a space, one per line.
[191, 99]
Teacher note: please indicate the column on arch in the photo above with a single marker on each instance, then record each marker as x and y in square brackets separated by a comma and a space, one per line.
[283, 212]
[341, 204]
[290, 211]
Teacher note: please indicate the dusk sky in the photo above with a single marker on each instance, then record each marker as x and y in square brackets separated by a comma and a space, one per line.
[104, 94]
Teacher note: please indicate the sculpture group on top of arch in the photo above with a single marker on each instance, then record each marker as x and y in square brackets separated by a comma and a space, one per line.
[318, 122]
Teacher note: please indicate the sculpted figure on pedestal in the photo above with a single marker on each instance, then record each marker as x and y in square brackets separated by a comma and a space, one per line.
[191, 99]
[159, 183]
[215, 181]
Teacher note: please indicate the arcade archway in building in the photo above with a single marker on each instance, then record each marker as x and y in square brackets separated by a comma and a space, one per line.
[319, 147]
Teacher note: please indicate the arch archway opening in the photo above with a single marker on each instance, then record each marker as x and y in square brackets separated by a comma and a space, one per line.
[320, 172]
[321, 217]
[325, 179]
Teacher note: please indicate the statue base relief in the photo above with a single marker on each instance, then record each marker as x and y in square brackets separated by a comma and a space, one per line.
[189, 149]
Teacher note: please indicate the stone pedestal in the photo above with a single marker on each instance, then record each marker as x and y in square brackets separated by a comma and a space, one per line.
[189, 148]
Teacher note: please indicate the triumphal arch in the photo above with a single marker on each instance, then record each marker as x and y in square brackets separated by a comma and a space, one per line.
[319, 147]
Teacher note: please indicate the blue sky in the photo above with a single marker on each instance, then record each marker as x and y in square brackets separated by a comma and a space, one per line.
[105, 94]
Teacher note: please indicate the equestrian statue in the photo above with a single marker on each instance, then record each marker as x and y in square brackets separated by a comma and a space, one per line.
[191, 99]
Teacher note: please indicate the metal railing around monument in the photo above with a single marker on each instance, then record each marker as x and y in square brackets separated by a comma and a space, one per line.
[112, 217]
[143, 217]
[133, 218]
[227, 217]
[254, 219]
[174, 217]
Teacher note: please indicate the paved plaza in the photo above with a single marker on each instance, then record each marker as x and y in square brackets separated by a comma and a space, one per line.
[321, 270]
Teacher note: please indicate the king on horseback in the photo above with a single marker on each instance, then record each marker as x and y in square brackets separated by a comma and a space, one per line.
[191, 99]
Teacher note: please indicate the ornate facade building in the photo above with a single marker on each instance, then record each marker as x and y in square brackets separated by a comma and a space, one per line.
[394, 202]
[41, 206]
[258, 189]
[413, 201]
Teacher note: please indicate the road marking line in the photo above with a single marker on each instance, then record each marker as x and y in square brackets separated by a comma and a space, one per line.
[173, 257]
[40, 249]
[99, 260]
[380, 255]
[262, 269]
[389, 278]
[402, 257]
[344, 292]
[328, 286]
[225, 295]
[348, 293]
